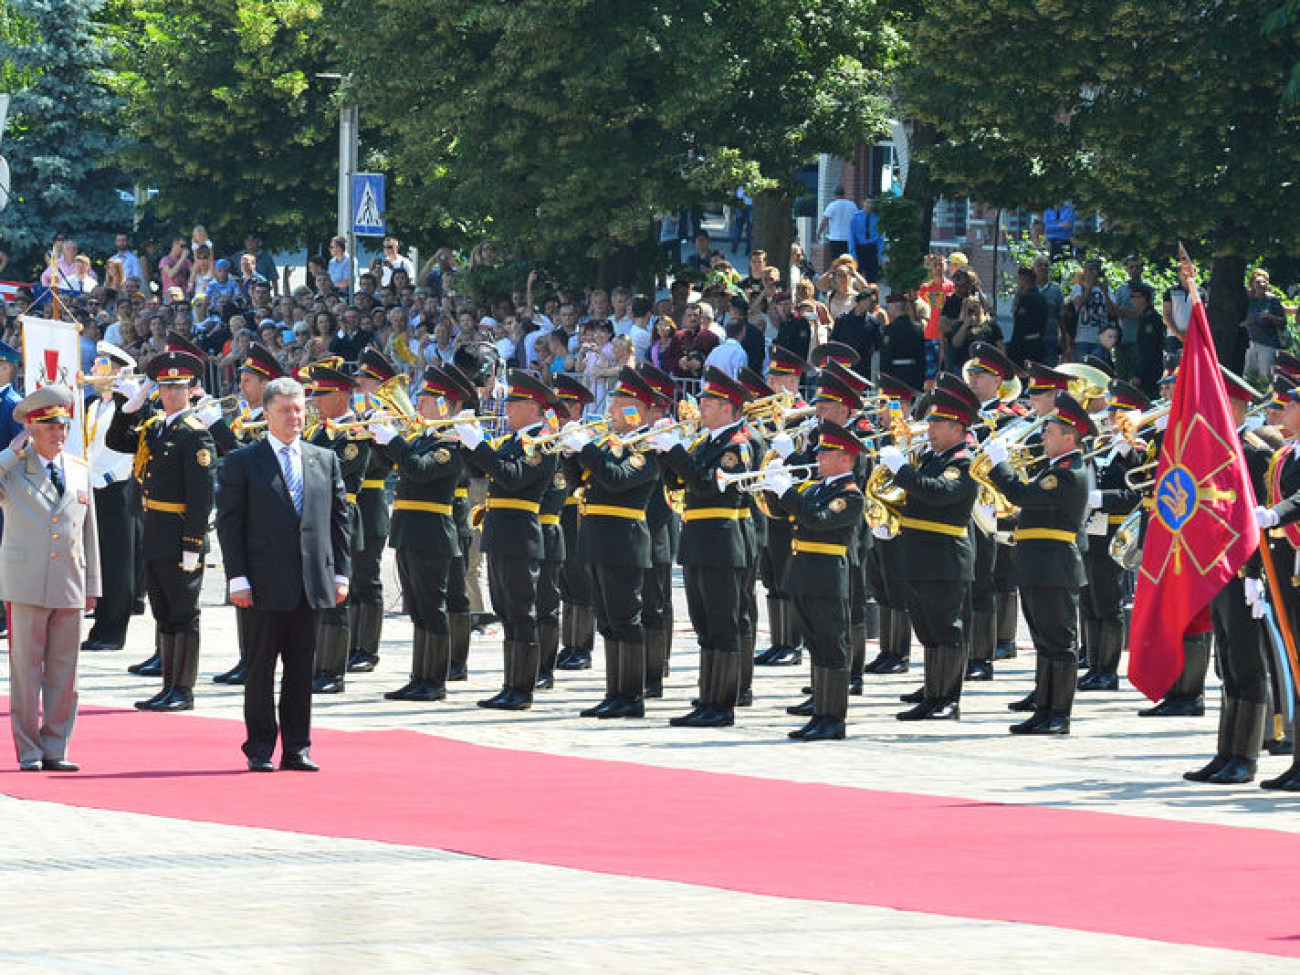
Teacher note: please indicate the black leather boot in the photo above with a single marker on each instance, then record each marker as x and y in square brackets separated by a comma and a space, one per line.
[1035, 700]
[458, 636]
[432, 683]
[510, 664]
[656, 645]
[776, 610]
[1110, 645]
[611, 682]
[1222, 748]
[1064, 672]
[832, 708]
[1186, 699]
[331, 658]
[745, 693]
[1090, 630]
[930, 693]
[527, 659]
[871, 618]
[720, 708]
[365, 638]
[886, 651]
[808, 709]
[630, 702]
[418, 651]
[548, 641]
[857, 656]
[1008, 620]
[901, 637]
[185, 671]
[166, 669]
[152, 667]
[703, 697]
[983, 639]
[1244, 738]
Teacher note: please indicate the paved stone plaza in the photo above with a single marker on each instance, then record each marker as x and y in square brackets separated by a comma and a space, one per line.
[87, 890]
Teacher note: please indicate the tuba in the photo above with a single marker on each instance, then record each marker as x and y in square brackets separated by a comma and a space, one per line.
[1124, 547]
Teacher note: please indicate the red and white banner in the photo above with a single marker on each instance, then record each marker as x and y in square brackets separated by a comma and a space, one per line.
[52, 357]
[9, 289]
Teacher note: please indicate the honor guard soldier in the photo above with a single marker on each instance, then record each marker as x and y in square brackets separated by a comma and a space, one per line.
[117, 504]
[614, 541]
[464, 397]
[1049, 567]
[827, 516]
[992, 377]
[665, 529]
[366, 597]
[423, 532]
[938, 559]
[258, 368]
[174, 457]
[1112, 501]
[784, 372]
[884, 559]
[713, 543]
[512, 535]
[564, 578]
[1236, 613]
[331, 394]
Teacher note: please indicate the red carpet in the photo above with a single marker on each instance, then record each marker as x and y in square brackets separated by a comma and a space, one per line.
[1217, 886]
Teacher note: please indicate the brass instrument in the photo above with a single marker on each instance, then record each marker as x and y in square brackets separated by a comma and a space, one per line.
[688, 417]
[781, 418]
[383, 416]
[991, 504]
[1142, 477]
[109, 380]
[1124, 547]
[768, 407]
[884, 501]
[218, 401]
[1129, 425]
[549, 443]
[751, 482]
[1088, 383]
[239, 426]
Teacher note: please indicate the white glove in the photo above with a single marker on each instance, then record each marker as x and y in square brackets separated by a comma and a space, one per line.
[138, 396]
[892, 457]
[189, 561]
[777, 481]
[1124, 447]
[1254, 593]
[1094, 499]
[384, 433]
[881, 532]
[209, 415]
[996, 450]
[666, 441]
[1266, 517]
[469, 434]
[1161, 422]
[575, 437]
[783, 444]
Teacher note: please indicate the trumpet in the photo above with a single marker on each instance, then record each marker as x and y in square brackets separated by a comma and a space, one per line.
[782, 417]
[638, 441]
[217, 401]
[550, 443]
[1129, 425]
[239, 426]
[768, 407]
[110, 379]
[751, 482]
[1142, 477]
[405, 422]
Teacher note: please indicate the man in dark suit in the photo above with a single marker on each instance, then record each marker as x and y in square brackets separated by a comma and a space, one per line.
[282, 517]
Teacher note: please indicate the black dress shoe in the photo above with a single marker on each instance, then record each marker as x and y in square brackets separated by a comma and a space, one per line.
[595, 710]
[427, 691]
[798, 733]
[623, 708]
[516, 701]
[260, 765]
[100, 646]
[36, 766]
[1288, 781]
[914, 697]
[147, 668]
[298, 763]
[1283, 746]
[1176, 707]
[545, 682]
[403, 693]
[745, 698]
[577, 659]
[826, 728]
[923, 710]
[59, 765]
[894, 665]
[1203, 774]
[1237, 771]
[764, 658]
[805, 710]
[362, 662]
[1005, 651]
[327, 684]
[785, 657]
[979, 670]
[1026, 703]
[686, 720]
[458, 673]
[235, 676]
[855, 686]
[1099, 681]
[714, 716]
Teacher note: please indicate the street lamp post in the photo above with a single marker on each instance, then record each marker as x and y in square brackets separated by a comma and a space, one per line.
[349, 115]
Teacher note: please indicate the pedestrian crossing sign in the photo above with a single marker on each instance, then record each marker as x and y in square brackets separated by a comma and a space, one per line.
[368, 204]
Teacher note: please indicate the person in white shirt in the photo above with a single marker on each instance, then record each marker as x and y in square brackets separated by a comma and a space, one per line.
[730, 356]
[835, 223]
[390, 262]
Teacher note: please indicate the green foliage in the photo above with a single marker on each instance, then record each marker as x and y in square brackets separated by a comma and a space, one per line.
[567, 128]
[234, 129]
[62, 139]
[898, 220]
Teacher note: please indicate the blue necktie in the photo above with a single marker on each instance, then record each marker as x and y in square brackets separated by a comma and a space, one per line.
[291, 478]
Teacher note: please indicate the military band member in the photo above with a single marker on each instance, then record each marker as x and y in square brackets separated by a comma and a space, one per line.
[884, 559]
[713, 542]
[564, 578]
[1049, 567]
[117, 506]
[827, 516]
[784, 372]
[665, 529]
[938, 559]
[512, 535]
[423, 533]
[756, 535]
[985, 373]
[1112, 501]
[174, 458]
[258, 368]
[366, 597]
[614, 541]
[331, 393]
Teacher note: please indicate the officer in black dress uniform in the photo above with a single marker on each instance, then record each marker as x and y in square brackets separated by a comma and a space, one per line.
[1112, 501]
[784, 372]
[564, 581]
[987, 372]
[175, 460]
[1239, 634]
[614, 541]
[423, 532]
[756, 532]
[884, 559]
[938, 557]
[1049, 568]
[512, 535]
[331, 393]
[827, 515]
[665, 529]
[713, 544]
[366, 597]
[258, 368]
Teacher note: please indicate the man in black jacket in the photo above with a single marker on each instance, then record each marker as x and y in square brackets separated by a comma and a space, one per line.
[282, 516]
[902, 346]
[859, 328]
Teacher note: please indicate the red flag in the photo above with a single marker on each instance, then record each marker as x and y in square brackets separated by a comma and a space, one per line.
[1201, 529]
